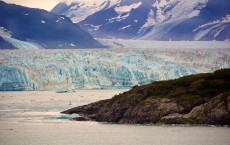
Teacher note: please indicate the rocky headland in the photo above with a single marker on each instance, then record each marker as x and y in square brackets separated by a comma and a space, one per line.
[195, 99]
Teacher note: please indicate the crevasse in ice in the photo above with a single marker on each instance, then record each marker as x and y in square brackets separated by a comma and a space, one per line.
[103, 68]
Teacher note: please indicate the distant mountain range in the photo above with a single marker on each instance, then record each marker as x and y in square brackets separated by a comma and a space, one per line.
[26, 28]
[22, 27]
[151, 19]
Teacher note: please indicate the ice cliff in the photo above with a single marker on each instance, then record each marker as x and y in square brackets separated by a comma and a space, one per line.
[13, 79]
[103, 68]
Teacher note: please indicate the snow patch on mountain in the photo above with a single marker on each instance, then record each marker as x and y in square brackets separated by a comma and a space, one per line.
[161, 29]
[219, 31]
[79, 10]
[150, 21]
[124, 27]
[221, 21]
[214, 27]
[71, 44]
[120, 17]
[217, 28]
[94, 28]
[170, 14]
[127, 8]
[160, 10]
[188, 9]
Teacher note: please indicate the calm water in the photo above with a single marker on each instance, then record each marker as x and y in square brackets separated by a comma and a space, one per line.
[33, 118]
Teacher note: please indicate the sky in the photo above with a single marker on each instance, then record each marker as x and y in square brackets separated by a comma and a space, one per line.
[43, 4]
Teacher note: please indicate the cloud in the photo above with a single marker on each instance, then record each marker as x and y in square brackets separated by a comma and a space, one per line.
[43, 4]
[83, 1]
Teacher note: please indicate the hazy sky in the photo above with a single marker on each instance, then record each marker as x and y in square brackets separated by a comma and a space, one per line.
[43, 4]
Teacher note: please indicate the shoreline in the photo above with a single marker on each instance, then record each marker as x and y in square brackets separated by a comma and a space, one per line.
[41, 124]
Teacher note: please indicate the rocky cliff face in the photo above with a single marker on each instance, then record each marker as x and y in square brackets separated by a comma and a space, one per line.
[195, 99]
[215, 111]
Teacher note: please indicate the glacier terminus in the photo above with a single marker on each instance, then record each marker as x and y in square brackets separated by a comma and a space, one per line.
[112, 68]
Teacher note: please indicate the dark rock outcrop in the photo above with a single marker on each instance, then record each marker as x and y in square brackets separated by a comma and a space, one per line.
[215, 111]
[195, 99]
[81, 119]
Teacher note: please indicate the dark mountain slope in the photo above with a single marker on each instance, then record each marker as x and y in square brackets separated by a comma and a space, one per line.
[214, 11]
[50, 30]
[153, 19]
[5, 45]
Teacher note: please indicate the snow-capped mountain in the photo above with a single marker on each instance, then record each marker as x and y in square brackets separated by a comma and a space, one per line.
[80, 10]
[27, 28]
[153, 19]
[109, 68]
[216, 12]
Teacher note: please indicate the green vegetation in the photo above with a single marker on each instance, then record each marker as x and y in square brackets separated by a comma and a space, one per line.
[182, 120]
[190, 90]
[153, 102]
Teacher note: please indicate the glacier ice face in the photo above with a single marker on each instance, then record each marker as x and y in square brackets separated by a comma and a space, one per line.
[13, 79]
[104, 68]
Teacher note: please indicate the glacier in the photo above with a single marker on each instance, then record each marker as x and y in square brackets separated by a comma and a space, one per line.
[14, 79]
[113, 68]
[142, 44]
[7, 36]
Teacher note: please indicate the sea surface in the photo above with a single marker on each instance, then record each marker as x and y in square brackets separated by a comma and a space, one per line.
[33, 118]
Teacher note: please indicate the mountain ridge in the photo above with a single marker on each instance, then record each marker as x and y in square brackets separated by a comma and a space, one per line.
[36, 27]
[158, 20]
